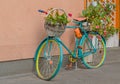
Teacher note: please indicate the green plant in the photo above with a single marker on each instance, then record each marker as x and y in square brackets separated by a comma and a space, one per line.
[56, 17]
[99, 18]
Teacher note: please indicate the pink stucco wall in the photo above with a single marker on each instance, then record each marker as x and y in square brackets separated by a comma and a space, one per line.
[21, 26]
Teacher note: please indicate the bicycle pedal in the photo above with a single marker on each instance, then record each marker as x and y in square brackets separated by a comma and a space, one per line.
[80, 47]
[72, 60]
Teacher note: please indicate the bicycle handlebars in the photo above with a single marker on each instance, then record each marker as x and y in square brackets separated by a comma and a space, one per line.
[42, 11]
[47, 13]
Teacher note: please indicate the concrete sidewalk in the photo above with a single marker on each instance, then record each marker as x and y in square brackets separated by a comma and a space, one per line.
[107, 74]
[26, 66]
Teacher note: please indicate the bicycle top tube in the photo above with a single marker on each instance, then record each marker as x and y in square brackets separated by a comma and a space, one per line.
[77, 21]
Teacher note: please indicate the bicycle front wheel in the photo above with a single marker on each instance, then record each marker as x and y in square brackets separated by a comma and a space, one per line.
[96, 59]
[48, 59]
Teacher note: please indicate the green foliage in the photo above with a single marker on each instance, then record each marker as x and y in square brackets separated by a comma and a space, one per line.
[99, 18]
[56, 18]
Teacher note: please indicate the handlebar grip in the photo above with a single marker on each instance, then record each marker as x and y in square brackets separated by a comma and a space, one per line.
[42, 11]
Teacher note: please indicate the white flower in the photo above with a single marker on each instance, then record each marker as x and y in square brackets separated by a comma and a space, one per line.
[111, 7]
[102, 21]
[94, 3]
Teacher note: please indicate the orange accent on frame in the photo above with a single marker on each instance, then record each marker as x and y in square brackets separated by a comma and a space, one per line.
[78, 33]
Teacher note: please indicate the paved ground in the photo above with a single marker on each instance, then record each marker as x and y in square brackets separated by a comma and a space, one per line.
[107, 74]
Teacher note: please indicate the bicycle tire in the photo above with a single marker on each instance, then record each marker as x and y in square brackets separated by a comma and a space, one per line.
[48, 59]
[96, 59]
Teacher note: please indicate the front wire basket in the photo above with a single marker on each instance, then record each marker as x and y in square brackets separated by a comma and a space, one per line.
[56, 29]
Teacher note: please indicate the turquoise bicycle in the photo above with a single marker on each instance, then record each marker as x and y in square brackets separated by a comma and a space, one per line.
[90, 49]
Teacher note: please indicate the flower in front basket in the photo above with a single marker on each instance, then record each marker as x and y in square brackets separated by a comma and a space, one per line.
[55, 22]
[57, 16]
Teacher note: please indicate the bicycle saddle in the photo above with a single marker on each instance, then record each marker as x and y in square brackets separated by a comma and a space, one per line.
[80, 19]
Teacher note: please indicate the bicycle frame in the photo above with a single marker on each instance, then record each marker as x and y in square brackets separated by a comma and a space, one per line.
[77, 43]
[85, 35]
[73, 53]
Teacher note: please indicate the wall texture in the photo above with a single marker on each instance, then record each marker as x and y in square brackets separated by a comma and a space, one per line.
[21, 26]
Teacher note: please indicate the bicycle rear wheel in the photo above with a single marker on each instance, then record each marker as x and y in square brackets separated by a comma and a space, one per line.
[48, 59]
[96, 59]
